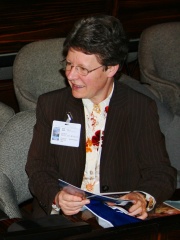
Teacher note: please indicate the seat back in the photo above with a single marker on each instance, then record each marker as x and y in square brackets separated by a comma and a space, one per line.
[14, 145]
[159, 60]
[6, 113]
[36, 71]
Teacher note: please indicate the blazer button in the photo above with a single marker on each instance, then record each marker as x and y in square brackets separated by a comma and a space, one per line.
[105, 188]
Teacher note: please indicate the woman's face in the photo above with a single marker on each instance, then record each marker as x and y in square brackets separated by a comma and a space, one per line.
[97, 85]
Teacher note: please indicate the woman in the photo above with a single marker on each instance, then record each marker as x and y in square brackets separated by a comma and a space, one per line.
[113, 142]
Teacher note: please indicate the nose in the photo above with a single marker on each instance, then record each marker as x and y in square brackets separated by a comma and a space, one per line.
[72, 74]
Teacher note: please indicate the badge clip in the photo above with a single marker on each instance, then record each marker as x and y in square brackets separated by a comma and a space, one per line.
[69, 117]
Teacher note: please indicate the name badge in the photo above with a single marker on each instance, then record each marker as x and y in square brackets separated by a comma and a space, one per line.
[65, 133]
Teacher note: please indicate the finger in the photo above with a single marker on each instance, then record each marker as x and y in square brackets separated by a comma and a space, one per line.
[72, 207]
[137, 211]
[142, 216]
[135, 206]
[70, 211]
[74, 204]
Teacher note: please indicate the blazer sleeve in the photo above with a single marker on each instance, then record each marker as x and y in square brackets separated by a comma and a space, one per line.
[41, 164]
[158, 177]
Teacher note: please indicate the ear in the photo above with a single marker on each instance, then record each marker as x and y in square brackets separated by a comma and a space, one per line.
[112, 70]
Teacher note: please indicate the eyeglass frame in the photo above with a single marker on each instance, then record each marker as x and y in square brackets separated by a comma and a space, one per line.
[76, 67]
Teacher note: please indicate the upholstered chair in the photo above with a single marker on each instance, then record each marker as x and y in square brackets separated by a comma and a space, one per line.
[6, 113]
[159, 61]
[36, 70]
[15, 140]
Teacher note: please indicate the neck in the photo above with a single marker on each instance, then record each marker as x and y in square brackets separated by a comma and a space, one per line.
[104, 96]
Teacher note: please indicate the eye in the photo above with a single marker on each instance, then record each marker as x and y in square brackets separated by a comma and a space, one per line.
[68, 64]
[83, 70]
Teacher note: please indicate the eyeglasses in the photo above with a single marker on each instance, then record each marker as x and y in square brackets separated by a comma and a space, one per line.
[67, 66]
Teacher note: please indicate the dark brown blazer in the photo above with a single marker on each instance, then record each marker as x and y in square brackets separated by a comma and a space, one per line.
[133, 156]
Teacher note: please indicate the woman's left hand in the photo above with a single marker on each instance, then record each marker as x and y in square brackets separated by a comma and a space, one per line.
[138, 209]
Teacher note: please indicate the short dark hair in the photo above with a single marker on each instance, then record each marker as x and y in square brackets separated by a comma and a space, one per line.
[102, 35]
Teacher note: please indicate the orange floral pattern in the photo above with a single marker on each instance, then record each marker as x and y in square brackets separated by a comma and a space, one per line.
[88, 145]
[95, 139]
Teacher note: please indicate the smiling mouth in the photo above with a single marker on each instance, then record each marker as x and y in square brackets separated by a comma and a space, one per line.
[77, 86]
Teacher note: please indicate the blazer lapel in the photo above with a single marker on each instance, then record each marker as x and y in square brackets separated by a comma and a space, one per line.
[75, 107]
[116, 119]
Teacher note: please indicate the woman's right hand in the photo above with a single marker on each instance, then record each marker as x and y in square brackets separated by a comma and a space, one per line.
[68, 203]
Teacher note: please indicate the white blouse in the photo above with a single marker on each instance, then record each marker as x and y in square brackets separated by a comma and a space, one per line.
[95, 119]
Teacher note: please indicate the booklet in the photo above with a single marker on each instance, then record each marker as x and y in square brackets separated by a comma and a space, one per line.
[113, 197]
[174, 204]
[107, 216]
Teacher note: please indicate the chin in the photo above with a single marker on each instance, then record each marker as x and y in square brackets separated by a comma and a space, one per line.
[77, 95]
